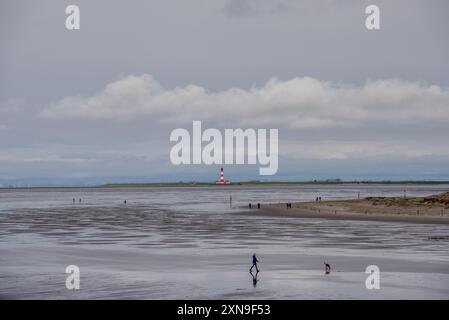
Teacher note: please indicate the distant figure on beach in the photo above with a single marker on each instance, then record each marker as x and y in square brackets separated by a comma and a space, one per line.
[249, 205]
[254, 264]
[316, 200]
[258, 206]
[124, 202]
[289, 205]
[319, 198]
[73, 200]
[80, 200]
[327, 268]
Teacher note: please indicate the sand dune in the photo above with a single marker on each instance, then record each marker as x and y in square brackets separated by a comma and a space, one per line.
[432, 209]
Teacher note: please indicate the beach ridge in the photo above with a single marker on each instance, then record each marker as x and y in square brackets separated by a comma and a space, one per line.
[433, 209]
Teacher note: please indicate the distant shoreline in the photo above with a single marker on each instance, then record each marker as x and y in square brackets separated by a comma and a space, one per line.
[242, 183]
[271, 183]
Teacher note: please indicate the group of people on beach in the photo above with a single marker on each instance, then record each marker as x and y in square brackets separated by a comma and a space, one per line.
[250, 205]
[80, 200]
[288, 204]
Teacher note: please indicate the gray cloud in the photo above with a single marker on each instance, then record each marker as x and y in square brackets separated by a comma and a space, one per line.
[363, 149]
[252, 8]
[69, 110]
[239, 8]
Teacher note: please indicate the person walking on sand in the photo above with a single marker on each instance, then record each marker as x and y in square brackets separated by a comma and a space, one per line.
[327, 268]
[254, 264]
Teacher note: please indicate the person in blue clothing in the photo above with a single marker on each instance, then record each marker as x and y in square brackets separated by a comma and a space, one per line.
[254, 264]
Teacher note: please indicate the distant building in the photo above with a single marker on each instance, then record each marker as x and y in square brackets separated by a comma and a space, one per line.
[222, 179]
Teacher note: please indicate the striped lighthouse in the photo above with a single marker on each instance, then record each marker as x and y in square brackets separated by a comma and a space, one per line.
[222, 179]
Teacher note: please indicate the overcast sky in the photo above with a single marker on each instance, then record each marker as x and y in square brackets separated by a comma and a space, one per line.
[99, 103]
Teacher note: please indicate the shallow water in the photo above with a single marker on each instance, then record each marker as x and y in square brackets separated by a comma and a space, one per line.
[188, 243]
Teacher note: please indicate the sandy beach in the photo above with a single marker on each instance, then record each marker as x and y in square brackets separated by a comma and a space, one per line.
[186, 243]
[432, 209]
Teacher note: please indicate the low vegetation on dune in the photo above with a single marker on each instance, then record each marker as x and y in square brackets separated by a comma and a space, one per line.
[439, 199]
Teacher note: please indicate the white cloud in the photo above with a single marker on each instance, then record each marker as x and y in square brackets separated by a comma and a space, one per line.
[297, 103]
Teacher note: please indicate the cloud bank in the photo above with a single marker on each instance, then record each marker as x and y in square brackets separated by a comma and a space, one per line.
[299, 103]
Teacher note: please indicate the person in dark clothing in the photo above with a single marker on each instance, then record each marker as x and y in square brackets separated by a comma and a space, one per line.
[327, 268]
[249, 205]
[254, 264]
[258, 206]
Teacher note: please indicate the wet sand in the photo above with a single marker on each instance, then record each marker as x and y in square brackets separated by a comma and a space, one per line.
[37, 272]
[148, 250]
